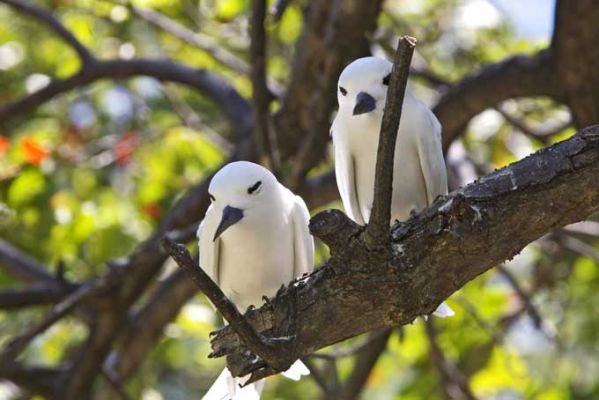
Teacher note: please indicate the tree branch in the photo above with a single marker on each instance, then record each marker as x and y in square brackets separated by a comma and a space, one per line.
[37, 380]
[364, 364]
[21, 266]
[519, 76]
[335, 33]
[377, 231]
[434, 253]
[190, 37]
[575, 58]
[271, 351]
[17, 344]
[234, 107]
[34, 295]
[53, 23]
[266, 140]
[524, 297]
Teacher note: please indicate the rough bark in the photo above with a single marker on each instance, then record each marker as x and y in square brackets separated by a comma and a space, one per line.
[434, 253]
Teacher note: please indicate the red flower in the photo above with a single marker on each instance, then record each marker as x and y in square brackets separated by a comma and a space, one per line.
[123, 149]
[33, 152]
[4, 145]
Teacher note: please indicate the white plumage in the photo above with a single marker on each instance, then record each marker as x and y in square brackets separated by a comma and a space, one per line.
[419, 173]
[254, 238]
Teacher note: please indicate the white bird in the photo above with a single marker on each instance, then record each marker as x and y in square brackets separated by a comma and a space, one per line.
[419, 173]
[253, 239]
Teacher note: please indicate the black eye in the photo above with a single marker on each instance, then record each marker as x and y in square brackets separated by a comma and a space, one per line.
[387, 79]
[254, 187]
[211, 197]
[343, 91]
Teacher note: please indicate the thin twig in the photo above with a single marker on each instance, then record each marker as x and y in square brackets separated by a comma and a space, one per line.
[190, 37]
[260, 95]
[270, 352]
[377, 232]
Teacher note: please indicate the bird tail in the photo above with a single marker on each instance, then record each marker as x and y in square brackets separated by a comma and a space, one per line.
[296, 371]
[443, 311]
[228, 387]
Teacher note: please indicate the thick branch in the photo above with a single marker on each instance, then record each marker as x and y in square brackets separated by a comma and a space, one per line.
[377, 232]
[435, 252]
[53, 23]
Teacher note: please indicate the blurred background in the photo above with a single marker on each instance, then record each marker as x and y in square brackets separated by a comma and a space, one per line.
[98, 160]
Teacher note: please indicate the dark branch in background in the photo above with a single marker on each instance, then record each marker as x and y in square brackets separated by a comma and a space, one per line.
[524, 297]
[434, 253]
[364, 364]
[575, 60]
[454, 384]
[21, 266]
[335, 33]
[218, 90]
[54, 24]
[17, 344]
[541, 134]
[377, 231]
[519, 76]
[34, 295]
[266, 139]
[38, 380]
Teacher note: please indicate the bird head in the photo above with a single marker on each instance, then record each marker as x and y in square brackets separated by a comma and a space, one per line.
[362, 86]
[241, 190]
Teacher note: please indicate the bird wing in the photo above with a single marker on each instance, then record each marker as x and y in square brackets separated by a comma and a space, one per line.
[430, 153]
[209, 249]
[346, 177]
[303, 244]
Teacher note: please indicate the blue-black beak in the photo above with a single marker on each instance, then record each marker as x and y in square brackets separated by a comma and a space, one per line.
[231, 216]
[365, 103]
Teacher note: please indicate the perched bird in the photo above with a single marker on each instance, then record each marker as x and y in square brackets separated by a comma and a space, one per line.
[253, 239]
[419, 173]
